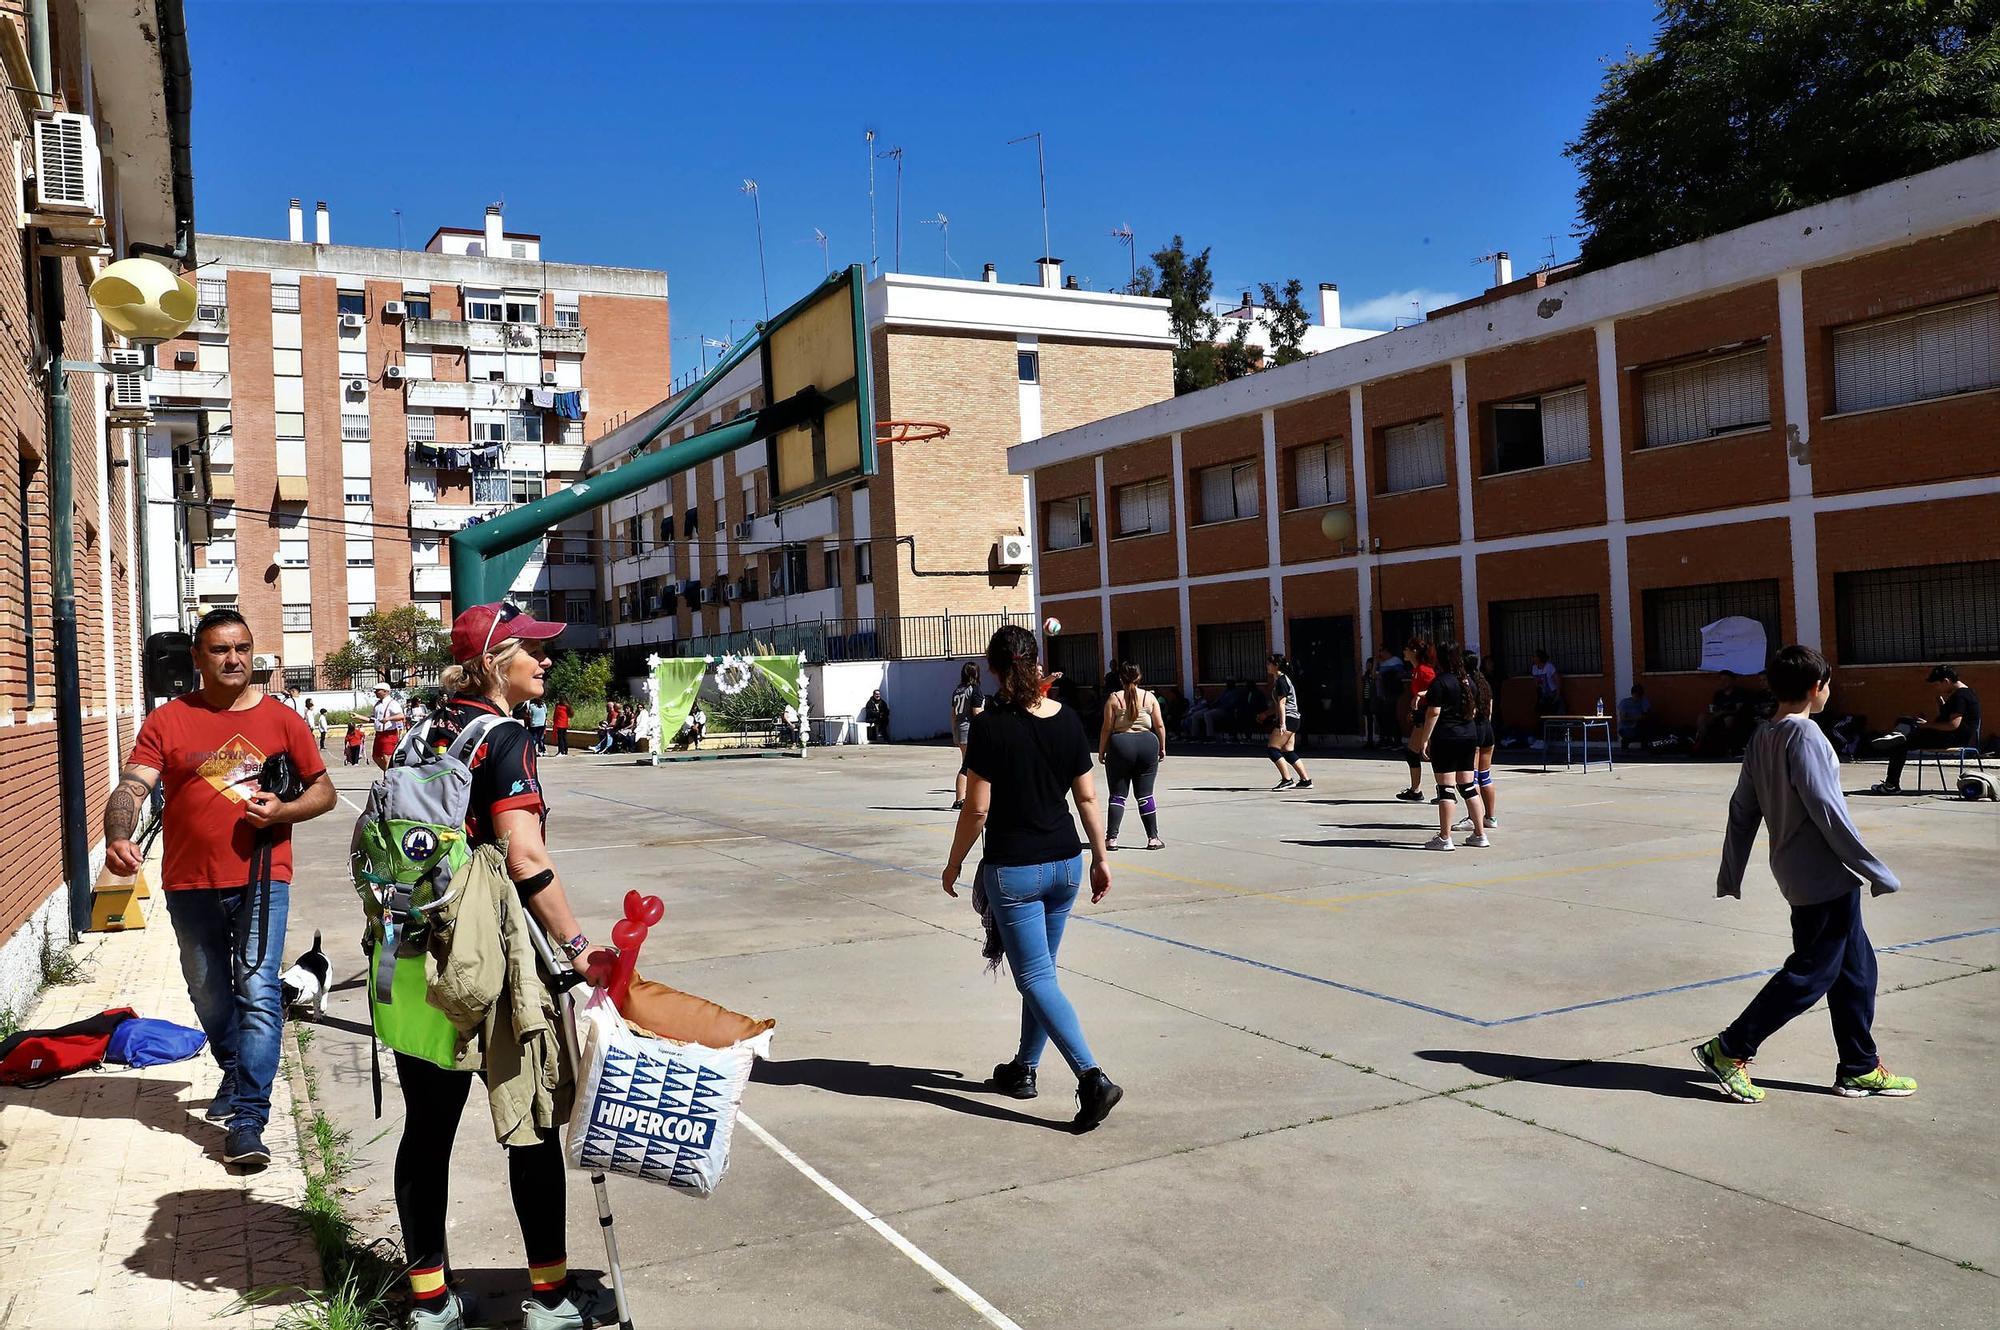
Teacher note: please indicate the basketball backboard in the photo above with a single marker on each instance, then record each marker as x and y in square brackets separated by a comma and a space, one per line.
[815, 359]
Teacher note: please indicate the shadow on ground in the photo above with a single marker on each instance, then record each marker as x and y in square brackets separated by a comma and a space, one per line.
[875, 1080]
[1689, 1082]
[179, 1245]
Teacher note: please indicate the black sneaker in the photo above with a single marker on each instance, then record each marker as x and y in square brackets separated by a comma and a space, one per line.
[1014, 1080]
[1412, 796]
[1096, 1096]
[1284, 784]
[245, 1146]
[224, 1103]
[1305, 783]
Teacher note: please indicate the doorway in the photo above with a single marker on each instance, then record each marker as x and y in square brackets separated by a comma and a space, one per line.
[1329, 688]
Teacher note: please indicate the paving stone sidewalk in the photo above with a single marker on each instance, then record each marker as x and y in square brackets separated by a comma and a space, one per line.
[116, 1209]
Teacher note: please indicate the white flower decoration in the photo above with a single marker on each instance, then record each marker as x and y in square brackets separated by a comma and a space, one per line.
[733, 675]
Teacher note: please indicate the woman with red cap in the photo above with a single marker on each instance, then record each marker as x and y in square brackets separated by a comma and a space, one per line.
[502, 657]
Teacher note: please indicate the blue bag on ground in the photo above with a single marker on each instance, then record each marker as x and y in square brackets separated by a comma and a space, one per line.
[143, 1042]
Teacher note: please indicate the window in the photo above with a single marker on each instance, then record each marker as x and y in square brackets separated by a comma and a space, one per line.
[1564, 626]
[524, 427]
[485, 366]
[577, 609]
[426, 551]
[1539, 431]
[1413, 456]
[691, 523]
[1066, 524]
[829, 562]
[506, 486]
[721, 517]
[1319, 475]
[287, 362]
[423, 486]
[356, 489]
[1146, 508]
[360, 552]
[212, 290]
[864, 564]
[1914, 357]
[795, 570]
[420, 427]
[1228, 491]
[1226, 652]
[353, 302]
[1076, 656]
[1438, 623]
[1720, 395]
[357, 610]
[1948, 611]
[567, 316]
[1156, 651]
[517, 250]
[417, 304]
[222, 553]
[1676, 615]
[524, 486]
[298, 618]
[353, 426]
[291, 424]
[489, 427]
[293, 552]
[1028, 366]
[483, 306]
[222, 516]
[284, 297]
[353, 364]
[521, 308]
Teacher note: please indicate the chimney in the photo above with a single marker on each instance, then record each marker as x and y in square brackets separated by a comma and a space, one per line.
[1329, 305]
[494, 239]
[1051, 273]
[1503, 269]
[1246, 302]
[991, 274]
[322, 225]
[298, 222]
[1072, 283]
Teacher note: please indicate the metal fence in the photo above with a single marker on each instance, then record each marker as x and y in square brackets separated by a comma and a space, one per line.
[887, 637]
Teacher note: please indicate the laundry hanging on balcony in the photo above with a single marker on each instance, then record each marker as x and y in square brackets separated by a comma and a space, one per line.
[486, 458]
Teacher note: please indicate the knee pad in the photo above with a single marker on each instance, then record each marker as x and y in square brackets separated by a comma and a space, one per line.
[1468, 791]
[1275, 754]
[1446, 794]
[1117, 801]
[1483, 778]
[1147, 806]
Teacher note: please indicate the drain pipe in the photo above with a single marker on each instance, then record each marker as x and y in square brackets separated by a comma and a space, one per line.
[38, 51]
[74, 797]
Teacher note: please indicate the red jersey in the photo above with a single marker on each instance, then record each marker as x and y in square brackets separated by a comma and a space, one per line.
[1420, 679]
[208, 762]
[562, 715]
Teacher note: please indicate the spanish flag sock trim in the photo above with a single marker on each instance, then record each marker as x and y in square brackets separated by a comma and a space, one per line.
[549, 1277]
[427, 1285]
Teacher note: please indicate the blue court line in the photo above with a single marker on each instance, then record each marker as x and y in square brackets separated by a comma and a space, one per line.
[1289, 973]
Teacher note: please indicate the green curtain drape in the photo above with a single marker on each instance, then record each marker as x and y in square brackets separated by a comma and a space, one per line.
[782, 671]
[676, 683]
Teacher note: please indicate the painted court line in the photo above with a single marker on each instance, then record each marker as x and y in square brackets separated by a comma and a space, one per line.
[964, 1292]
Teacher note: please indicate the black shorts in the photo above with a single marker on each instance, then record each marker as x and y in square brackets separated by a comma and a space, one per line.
[1451, 753]
[1485, 739]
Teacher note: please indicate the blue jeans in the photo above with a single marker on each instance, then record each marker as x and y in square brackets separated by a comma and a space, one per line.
[231, 941]
[1031, 905]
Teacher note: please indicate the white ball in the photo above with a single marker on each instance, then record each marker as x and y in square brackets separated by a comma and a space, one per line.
[1337, 525]
[1051, 626]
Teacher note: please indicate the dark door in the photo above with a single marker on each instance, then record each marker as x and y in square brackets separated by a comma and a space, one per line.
[1329, 689]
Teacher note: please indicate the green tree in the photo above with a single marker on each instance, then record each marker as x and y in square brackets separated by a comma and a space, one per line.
[1748, 108]
[404, 638]
[579, 677]
[1287, 321]
[344, 662]
[1187, 285]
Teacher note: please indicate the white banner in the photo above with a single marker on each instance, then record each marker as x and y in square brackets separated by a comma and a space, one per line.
[1736, 643]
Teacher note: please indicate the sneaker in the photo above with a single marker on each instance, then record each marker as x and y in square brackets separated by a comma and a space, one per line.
[1477, 841]
[1463, 824]
[1156, 844]
[224, 1103]
[1884, 787]
[1110, 843]
[1014, 1080]
[1439, 843]
[1285, 784]
[245, 1146]
[1096, 1096]
[1492, 822]
[576, 1310]
[1730, 1073]
[450, 1315]
[1411, 796]
[1880, 1081]
[1304, 783]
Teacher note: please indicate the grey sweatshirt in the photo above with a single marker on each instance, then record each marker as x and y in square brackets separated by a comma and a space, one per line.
[1791, 781]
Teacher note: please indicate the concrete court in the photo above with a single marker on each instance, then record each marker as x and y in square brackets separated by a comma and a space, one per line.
[1367, 1085]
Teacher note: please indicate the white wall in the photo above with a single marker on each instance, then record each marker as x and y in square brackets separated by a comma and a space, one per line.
[918, 692]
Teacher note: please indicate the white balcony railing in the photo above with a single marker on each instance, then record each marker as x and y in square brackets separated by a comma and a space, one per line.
[437, 392]
[434, 516]
[199, 385]
[563, 339]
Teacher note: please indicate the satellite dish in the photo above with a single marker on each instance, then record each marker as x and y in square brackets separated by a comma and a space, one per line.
[143, 301]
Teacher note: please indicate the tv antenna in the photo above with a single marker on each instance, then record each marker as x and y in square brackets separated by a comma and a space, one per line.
[756, 203]
[874, 246]
[943, 224]
[819, 238]
[897, 153]
[1042, 173]
[1123, 235]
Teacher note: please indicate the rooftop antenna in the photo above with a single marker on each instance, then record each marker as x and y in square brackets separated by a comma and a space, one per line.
[1123, 235]
[874, 245]
[756, 203]
[399, 226]
[943, 224]
[1042, 171]
[819, 238]
[897, 153]
[1550, 261]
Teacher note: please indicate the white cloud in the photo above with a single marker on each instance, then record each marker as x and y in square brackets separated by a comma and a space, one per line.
[1382, 311]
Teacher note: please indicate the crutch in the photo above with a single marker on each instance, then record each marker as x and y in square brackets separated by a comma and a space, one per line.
[564, 979]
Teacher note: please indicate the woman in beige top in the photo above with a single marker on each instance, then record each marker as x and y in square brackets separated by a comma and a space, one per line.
[1132, 743]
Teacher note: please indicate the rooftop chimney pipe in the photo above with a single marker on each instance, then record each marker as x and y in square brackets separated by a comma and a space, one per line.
[1072, 284]
[494, 232]
[1329, 305]
[322, 225]
[298, 222]
[1503, 269]
[1051, 273]
[990, 274]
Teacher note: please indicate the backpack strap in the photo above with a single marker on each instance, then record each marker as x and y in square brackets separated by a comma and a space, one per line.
[474, 734]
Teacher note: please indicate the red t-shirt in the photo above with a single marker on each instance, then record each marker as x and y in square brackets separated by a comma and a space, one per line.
[209, 761]
[562, 715]
[1420, 679]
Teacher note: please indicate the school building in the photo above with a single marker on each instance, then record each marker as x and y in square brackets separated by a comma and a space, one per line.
[1797, 421]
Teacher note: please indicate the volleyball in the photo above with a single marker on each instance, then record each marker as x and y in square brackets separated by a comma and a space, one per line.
[1051, 626]
[1337, 525]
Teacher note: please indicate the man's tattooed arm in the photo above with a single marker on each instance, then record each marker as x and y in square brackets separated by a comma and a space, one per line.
[121, 810]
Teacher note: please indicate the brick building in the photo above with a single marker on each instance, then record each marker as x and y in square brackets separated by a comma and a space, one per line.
[121, 86]
[997, 362]
[344, 409]
[1798, 421]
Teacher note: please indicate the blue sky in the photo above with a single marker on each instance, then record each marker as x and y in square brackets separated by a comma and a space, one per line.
[1380, 146]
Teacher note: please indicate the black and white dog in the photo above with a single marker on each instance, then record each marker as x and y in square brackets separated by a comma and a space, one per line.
[305, 982]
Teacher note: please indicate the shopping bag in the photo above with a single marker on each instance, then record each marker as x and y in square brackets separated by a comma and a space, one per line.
[656, 1109]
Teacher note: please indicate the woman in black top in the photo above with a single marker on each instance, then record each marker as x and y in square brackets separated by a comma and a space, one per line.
[1449, 736]
[1026, 753]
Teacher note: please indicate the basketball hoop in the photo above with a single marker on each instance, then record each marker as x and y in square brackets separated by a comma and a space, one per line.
[909, 431]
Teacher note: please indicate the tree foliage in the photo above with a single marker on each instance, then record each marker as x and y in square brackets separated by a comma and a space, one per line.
[1287, 321]
[344, 662]
[1186, 283]
[405, 638]
[578, 677]
[1748, 108]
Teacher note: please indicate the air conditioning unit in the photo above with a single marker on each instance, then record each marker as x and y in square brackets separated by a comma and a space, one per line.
[263, 663]
[395, 309]
[708, 595]
[208, 313]
[548, 378]
[732, 591]
[184, 358]
[355, 388]
[394, 374]
[742, 529]
[69, 175]
[1016, 552]
[353, 321]
[129, 390]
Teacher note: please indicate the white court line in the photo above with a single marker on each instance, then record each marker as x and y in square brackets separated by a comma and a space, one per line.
[964, 1292]
[641, 845]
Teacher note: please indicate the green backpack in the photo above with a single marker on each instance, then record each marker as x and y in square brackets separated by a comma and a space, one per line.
[409, 847]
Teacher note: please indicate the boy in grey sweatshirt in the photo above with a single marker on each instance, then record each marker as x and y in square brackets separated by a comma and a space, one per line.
[1791, 782]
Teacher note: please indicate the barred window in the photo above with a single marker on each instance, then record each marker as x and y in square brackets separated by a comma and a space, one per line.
[1319, 475]
[1720, 395]
[1566, 627]
[1228, 491]
[1228, 652]
[1676, 615]
[1146, 508]
[298, 618]
[353, 428]
[1894, 616]
[1156, 651]
[1914, 357]
[420, 427]
[1539, 431]
[1413, 456]
[1439, 623]
[1066, 523]
[1075, 655]
[284, 297]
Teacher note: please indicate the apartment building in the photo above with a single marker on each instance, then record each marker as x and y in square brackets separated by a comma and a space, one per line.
[998, 362]
[1797, 422]
[96, 112]
[337, 411]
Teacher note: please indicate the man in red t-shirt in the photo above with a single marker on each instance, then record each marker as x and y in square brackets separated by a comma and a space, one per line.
[228, 860]
[560, 718]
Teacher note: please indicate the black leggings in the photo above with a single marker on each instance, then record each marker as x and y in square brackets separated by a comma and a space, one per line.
[433, 1099]
[1133, 767]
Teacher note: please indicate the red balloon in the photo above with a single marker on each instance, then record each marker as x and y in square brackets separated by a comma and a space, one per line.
[628, 935]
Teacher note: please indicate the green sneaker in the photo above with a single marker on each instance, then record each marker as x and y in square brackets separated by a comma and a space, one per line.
[1729, 1073]
[1879, 1081]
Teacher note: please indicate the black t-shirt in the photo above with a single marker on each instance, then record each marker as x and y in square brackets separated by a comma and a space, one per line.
[1454, 709]
[504, 773]
[966, 699]
[1730, 698]
[1029, 761]
[1964, 704]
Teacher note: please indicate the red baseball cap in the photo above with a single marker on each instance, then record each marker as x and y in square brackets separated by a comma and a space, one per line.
[478, 630]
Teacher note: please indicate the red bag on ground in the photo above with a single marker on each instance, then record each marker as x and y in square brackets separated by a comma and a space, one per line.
[34, 1057]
